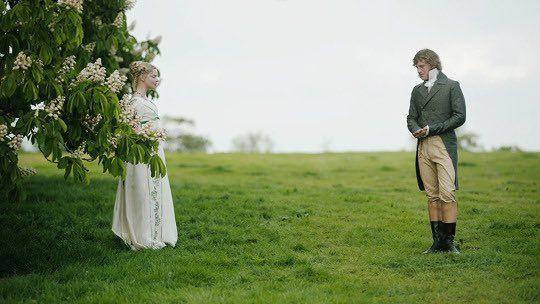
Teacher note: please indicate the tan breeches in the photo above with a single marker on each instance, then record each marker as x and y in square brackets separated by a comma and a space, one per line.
[436, 170]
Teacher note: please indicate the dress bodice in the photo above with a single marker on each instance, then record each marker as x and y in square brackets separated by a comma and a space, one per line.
[146, 109]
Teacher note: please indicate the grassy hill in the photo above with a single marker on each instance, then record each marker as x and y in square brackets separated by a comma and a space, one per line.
[309, 228]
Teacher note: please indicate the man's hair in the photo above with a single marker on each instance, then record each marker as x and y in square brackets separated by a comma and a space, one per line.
[428, 56]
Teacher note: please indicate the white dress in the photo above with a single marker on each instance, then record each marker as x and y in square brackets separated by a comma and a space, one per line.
[143, 211]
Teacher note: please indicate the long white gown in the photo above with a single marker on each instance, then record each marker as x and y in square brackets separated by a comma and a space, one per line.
[143, 210]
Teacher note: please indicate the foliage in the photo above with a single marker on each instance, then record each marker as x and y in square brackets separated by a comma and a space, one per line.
[253, 142]
[467, 141]
[181, 140]
[508, 148]
[54, 88]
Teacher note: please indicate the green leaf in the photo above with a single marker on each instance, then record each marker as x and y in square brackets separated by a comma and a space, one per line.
[75, 132]
[127, 144]
[15, 173]
[47, 148]
[122, 168]
[58, 89]
[9, 86]
[154, 165]
[106, 165]
[140, 152]
[100, 99]
[28, 91]
[73, 101]
[62, 124]
[113, 167]
[57, 150]
[63, 163]
[37, 73]
[162, 168]
[35, 92]
[46, 54]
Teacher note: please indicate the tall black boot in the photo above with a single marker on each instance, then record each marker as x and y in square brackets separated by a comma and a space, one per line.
[448, 233]
[435, 232]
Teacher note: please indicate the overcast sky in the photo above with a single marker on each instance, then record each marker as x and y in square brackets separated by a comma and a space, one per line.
[338, 74]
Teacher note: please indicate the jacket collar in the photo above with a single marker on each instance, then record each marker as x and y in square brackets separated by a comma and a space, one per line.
[441, 81]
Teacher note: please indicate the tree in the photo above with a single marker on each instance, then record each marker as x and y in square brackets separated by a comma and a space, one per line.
[180, 140]
[253, 142]
[63, 67]
[508, 148]
[467, 141]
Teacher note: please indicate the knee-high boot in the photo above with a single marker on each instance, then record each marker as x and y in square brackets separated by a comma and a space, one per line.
[435, 232]
[448, 233]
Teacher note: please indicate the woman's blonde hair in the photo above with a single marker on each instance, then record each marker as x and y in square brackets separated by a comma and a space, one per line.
[428, 56]
[139, 69]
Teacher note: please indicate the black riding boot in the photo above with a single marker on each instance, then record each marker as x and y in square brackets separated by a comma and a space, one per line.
[435, 232]
[448, 232]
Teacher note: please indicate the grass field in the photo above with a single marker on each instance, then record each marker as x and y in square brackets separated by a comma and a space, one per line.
[280, 228]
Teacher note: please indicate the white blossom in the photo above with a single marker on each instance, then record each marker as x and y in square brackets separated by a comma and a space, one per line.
[16, 142]
[69, 63]
[157, 39]
[92, 71]
[152, 132]
[150, 57]
[89, 47]
[129, 4]
[53, 23]
[119, 20]
[129, 116]
[38, 107]
[91, 121]
[116, 81]
[79, 153]
[55, 106]
[74, 4]
[144, 45]
[112, 51]
[22, 61]
[132, 26]
[113, 140]
[3, 131]
[67, 66]
[98, 22]
[26, 171]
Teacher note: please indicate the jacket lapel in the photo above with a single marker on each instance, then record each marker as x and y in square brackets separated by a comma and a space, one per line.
[423, 90]
[441, 80]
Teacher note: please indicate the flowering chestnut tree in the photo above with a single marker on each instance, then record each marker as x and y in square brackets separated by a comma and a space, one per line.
[64, 85]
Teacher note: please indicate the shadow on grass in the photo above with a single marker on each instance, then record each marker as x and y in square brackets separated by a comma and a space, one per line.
[61, 223]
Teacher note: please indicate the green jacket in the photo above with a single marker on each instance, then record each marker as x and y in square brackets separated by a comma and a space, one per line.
[443, 110]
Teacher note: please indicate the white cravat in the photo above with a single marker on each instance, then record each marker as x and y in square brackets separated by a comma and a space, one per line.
[432, 78]
[433, 73]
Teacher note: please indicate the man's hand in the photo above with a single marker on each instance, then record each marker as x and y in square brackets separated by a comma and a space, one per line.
[420, 132]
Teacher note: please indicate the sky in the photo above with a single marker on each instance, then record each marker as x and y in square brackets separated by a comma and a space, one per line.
[337, 75]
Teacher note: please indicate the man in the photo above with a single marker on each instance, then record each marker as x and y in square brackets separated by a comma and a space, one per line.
[437, 108]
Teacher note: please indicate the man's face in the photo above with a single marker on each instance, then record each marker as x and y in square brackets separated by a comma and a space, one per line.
[423, 69]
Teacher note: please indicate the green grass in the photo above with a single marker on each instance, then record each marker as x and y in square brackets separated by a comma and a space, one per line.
[319, 228]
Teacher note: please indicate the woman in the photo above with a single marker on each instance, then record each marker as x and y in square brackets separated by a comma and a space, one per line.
[144, 211]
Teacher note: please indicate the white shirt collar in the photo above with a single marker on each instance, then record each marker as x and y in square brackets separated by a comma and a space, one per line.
[433, 73]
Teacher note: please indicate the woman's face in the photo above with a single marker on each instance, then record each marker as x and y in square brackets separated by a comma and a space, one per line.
[151, 80]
